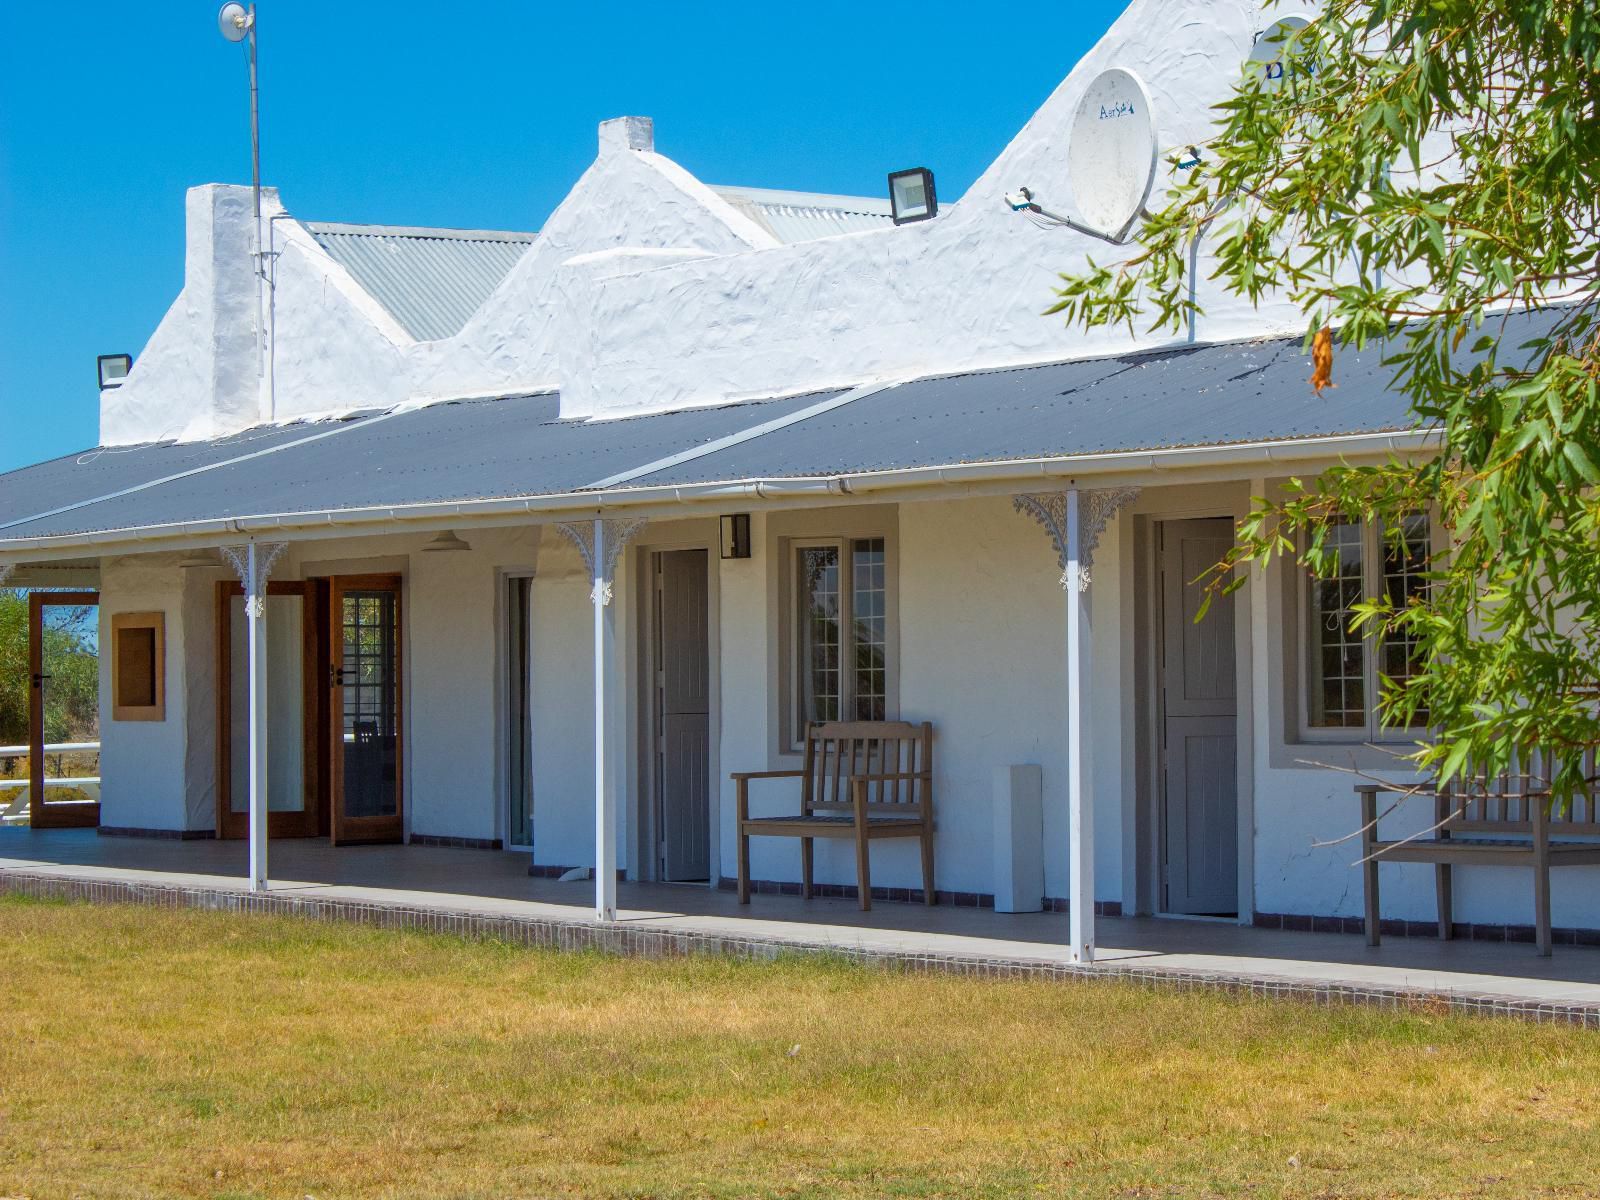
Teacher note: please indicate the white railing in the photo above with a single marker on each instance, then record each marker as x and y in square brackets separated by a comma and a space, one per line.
[14, 793]
[51, 748]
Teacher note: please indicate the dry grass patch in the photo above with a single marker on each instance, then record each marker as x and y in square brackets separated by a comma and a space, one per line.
[156, 1053]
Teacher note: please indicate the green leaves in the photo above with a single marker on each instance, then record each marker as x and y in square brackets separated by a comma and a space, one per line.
[1439, 165]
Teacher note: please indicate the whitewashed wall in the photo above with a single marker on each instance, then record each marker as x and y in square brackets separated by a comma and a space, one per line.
[717, 311]
[981, 640]
[160, 774]
[337, 349]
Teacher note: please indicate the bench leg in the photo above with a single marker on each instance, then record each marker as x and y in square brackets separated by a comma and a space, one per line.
[1541, 876]
[1541, 904]
[1369, 864]
[1369, 879]
[744, 867]
[863, 869]
[929, 896]
[805, 867]
[1447, 910]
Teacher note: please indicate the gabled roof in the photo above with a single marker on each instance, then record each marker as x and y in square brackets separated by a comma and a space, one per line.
[806, 216]
[430, 280]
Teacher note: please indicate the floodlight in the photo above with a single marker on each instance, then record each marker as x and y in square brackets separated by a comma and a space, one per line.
[911, 195]
[113, 369]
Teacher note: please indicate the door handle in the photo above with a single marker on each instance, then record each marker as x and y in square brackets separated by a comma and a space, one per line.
[38, 681]
[335, 676]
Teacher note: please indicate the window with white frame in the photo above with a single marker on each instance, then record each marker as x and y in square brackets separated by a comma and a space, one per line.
[840, 656]
[1343, 666]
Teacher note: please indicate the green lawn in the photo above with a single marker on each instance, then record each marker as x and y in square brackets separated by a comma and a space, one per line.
[154, 1053]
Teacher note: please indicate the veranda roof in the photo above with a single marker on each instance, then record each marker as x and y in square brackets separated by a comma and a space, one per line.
[454, 457]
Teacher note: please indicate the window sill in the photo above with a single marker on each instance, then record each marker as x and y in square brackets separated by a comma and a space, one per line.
[1360, 754]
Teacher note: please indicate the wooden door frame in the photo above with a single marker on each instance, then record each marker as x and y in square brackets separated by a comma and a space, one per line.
[304, 823]
[355, 830]
[80, 816]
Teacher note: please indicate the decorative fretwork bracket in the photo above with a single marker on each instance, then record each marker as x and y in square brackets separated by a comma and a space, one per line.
[255, 589]
[614, 535]
[1095, 510]
[5, 572]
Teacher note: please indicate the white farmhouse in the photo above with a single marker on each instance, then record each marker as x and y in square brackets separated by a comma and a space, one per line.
[554, 532]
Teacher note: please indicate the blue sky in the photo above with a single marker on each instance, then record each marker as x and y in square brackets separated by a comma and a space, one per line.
[468, 114]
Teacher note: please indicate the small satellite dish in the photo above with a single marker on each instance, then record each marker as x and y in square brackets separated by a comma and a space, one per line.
[1266, 56]
[1111, 159]
[234, 21]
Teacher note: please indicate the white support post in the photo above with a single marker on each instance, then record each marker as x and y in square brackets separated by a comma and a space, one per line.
[255, 590]
[253, 564]
[1075, 522]
[601, 543]
[605, 813]
[1080, 812]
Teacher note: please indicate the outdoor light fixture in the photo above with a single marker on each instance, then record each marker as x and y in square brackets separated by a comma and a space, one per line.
[736, 535]
[113, 369]
[911, 195]
[447, 540]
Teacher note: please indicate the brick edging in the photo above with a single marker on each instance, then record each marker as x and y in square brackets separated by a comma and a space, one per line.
[849, 891]
[1394, 927]
[656, 941]
[459, 843]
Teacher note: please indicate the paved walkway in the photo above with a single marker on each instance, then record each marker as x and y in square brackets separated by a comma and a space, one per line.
[478, 892]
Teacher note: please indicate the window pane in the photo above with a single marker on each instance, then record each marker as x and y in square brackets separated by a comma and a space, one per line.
[1336, 684]
[817, 571]
[869, 617]
[1403, 567]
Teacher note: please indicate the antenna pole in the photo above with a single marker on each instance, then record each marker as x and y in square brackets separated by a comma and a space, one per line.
[265, 397]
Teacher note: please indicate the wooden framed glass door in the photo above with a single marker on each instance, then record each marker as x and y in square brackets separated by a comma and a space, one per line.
[294, 788]
[63, 710]
[365, 713]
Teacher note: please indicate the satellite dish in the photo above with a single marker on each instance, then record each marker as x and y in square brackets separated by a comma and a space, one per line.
[1111, 159]
[1266, 56]
[233, 21]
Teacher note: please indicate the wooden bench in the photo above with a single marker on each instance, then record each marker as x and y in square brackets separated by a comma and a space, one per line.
[860, 779]
[1501, 820]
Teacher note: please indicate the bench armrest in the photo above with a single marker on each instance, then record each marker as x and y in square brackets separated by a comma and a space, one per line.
[882, 777]
[741, 788]
[1372, 789]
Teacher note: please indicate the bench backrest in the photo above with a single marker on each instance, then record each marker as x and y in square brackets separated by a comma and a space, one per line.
[838, 750]
[1504, 803]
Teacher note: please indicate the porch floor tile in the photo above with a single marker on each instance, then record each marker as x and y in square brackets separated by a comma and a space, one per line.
[489, 884]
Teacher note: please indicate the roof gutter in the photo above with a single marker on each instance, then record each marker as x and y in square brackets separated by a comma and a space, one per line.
[967, 478]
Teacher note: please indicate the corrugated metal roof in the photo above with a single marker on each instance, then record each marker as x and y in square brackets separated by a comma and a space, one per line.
[465, 450]
[430, 280]
[1153, 400]
[806, 216]
[518, 446]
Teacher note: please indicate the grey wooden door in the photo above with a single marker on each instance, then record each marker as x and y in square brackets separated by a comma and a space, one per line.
[1199, 711]
[683, 708]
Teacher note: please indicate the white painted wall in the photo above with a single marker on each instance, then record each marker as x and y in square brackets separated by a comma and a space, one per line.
[730, 315]
[337, 349]
[961, 291]
[197, 378]
[159, 774]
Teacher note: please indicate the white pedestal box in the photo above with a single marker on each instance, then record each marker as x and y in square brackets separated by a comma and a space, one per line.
[1019, 838]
